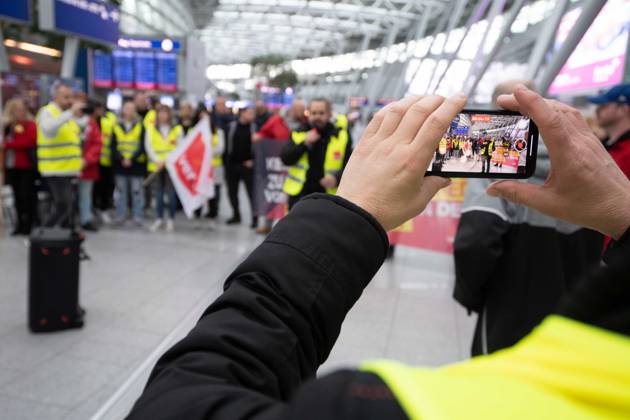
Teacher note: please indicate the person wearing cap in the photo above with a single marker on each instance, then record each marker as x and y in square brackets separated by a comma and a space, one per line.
[613, 115]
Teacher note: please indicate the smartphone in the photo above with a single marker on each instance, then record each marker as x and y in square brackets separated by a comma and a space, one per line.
[487, 144]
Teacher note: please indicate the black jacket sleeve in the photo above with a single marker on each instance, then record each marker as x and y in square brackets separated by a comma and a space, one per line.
[276, 322]
[291, 152]
[477, 248]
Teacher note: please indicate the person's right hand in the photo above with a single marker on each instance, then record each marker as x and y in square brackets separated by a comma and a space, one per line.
[312, 137]
[161, 166]
[77, 108]
[585, 186]
[126, 163]
[385, 173]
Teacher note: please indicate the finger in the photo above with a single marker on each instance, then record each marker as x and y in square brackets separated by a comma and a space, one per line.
[394, 113]
[508, 102]
[550, 121]
[535, 196]
[434, 127]
[416, 116]
[373, 125]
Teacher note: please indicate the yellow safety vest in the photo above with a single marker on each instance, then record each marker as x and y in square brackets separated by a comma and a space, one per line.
[162, 147]
[149, 118]
[341, 122]
[563, 370]
[217, 160]
[107, 127]
[62, 154]
[333, 163]
[128, 143]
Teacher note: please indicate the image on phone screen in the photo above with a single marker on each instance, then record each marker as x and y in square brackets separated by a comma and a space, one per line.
[487, 144]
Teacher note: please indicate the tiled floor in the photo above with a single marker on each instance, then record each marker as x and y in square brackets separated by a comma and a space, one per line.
[143, 291]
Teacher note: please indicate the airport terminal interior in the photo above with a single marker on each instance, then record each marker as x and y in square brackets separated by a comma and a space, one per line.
[149, 146]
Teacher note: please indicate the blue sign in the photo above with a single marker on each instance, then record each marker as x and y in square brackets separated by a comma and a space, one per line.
[166, 71]
[94, 20]
[144, 66]
[123, 68]
[103, 69]
[17, 10]
[165, 44]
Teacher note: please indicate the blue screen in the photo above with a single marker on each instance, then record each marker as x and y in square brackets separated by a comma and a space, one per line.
[167, 71]
[103, 69]
[15, 9]
[123, 68]
[144, 63]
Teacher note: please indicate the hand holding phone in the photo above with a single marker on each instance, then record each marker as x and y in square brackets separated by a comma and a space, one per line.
[487, 144]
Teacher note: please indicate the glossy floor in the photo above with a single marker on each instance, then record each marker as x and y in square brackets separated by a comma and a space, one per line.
[143, 291]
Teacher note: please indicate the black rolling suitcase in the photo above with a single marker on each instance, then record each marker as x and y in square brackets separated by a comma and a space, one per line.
[54, 280]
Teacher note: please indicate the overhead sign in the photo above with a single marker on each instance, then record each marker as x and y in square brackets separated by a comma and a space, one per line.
[481, 118]
[166, 44]
[599, 58]
[93, 20]
[15, 10]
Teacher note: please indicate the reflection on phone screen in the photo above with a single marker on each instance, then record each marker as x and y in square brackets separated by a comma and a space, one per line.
[483, 144]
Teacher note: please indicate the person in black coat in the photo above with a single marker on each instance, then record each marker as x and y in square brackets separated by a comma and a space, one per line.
[255, 351]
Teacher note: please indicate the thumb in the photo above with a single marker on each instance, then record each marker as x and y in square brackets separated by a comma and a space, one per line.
[530, 195]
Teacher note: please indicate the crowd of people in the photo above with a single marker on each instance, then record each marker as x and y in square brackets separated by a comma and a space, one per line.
[110, 168]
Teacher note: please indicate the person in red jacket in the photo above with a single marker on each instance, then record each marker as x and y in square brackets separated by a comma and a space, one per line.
[613, 115]
[92, 142]
[20, 140]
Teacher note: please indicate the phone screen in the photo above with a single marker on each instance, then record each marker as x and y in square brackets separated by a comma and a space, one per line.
[487, 144]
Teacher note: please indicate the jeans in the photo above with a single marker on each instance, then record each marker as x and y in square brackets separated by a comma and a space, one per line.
[85, 201]
[163, 185]
[123, 184]
[62, 192]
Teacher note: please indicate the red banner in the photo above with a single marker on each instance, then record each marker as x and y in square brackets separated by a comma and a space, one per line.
[435, 228]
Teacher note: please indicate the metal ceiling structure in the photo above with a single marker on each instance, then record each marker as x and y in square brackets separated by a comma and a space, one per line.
[237, 30]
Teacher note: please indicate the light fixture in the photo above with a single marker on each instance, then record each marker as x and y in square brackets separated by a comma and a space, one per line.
[34, 48]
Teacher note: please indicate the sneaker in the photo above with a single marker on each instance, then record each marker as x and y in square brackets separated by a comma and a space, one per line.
[156, 225]
[234, 221]
[170, 225]
[89, 227]
[105, 218]
[263, 230]
[212, 224]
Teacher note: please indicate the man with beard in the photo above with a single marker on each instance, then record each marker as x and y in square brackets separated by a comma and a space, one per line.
[316, 155]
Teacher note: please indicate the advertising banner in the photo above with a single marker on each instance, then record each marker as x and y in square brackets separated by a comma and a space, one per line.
[599, 58]
[190, 168]
[434, 229]
[269, 175]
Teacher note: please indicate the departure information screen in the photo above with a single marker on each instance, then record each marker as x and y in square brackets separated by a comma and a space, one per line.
[138, 69]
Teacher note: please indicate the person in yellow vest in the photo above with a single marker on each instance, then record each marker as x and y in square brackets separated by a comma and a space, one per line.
[255, 352]
[130, 163]
[316, 154]
[59, 152]
[144, 109]
[161, 139]
[487, 149]
[104, 187]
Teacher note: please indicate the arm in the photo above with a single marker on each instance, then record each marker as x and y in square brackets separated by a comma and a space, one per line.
[478, 244]
[147, 146]
[277, 320]
[113, 144]
[346, 158]
[50, 124]
[291, 152]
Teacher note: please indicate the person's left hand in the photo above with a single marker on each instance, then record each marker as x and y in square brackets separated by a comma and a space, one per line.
[126, 163]
[256, 138]
[385, 173]
[328, 181]
[248, 164]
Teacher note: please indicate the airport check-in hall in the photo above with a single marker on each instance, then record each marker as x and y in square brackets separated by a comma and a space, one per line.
[300, 209]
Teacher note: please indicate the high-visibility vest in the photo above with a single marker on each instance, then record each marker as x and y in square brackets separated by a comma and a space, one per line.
[442, 146]
[341, 122]
[149, 118]
[563, 370]
[108, 121]
[62, 154]
[128, 143]
[333, 162]
[162, 147]
[217, 160]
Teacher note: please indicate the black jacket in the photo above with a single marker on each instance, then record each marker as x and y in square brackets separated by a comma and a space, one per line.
[513, 264]
[291, 154]
[254, 353]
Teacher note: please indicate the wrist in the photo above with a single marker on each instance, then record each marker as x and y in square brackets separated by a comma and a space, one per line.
[618, 221]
